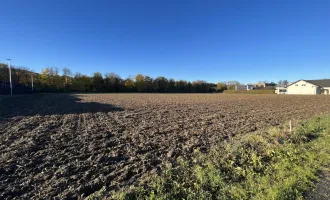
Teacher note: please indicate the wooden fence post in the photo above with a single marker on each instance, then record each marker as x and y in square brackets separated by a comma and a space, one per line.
[290, 127]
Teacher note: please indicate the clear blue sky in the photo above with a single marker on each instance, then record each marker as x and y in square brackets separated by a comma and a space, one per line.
[245, 40]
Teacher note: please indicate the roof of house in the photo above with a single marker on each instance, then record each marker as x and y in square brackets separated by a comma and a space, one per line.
[321, 82]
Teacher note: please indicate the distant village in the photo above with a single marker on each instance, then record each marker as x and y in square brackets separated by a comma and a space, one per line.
[321, 86]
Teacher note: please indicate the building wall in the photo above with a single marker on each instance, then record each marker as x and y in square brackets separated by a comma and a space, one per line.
[303, 87]
[241, 87]
[326, 90]
[281, 90]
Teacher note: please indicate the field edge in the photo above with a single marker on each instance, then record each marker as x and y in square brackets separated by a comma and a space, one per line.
[272, 164]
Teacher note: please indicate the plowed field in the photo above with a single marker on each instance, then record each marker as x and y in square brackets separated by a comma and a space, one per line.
[69, 146]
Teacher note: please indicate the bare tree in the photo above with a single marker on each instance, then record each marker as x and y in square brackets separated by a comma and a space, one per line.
[66, 73]
[283, 83]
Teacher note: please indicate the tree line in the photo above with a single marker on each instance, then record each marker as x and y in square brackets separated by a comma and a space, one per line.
[51, 79]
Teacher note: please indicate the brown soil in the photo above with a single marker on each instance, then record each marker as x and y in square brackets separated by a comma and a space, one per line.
[321, 189]
[69, 146]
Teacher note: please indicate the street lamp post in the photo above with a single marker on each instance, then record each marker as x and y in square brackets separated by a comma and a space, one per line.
[11, 86]
[32, 81]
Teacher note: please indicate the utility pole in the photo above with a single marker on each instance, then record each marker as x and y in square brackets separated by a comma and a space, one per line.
[32, 81]
[11, 86]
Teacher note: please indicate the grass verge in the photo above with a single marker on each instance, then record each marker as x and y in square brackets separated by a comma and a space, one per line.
[273, 164]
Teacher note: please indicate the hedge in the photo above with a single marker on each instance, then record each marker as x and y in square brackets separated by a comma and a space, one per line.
[249, 91]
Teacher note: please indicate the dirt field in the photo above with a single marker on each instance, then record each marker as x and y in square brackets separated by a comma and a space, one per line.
[69, 146]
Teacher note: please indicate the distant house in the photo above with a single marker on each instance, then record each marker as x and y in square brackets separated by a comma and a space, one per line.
[280, 90]
[243, 87]
[263, 85]
[309, 87]
[270, 84]
[249, 87]
[259, 85]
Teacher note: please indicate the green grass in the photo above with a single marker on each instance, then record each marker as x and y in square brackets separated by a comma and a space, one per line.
[273, 164]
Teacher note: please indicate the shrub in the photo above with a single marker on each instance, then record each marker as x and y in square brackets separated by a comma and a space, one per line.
[249, 91]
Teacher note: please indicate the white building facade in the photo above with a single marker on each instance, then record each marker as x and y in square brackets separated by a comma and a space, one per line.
[309, 87]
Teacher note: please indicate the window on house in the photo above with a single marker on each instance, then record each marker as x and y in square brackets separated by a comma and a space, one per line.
[303, 84]
[296, 84]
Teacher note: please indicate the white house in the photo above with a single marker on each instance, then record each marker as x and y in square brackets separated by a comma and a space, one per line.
[281, 90]
[309, 87]
[244, 87]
